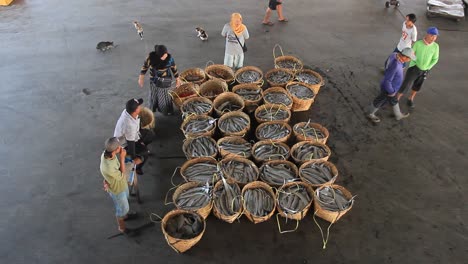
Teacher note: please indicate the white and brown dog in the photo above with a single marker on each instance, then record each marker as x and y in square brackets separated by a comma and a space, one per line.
[201, 33]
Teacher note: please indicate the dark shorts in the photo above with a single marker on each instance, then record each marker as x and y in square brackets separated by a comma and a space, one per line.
[273, 3]
[414, 79]
[383, 98]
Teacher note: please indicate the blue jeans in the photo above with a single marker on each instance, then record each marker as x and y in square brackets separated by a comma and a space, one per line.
[120, 203]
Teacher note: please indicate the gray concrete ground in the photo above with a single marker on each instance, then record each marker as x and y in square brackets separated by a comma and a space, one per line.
[410, 177]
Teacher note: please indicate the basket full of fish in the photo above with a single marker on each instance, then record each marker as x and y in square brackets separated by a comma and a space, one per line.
[278, 95]
[198, 125]
[227, 198]
[183, 92]
[249, 74]
[147, 120]
[309, 150]
[219, 71]
[196, 106]
[259, 201]
[234, 124]
[251, 93]
[194, 196]
[310, 78]
[279, 172]
[212, 88]
[236, 146]
[272, 112]
[303, 96]
[266, 150]
[228, 102]
[331, 202]
[286, 62]
[318, 173]
[241, 170]
[182, 229]
[201, 170]
[193, 75]
[275, 131]
[307, 131]
[279, 77]
[200, 147]
[294, 200]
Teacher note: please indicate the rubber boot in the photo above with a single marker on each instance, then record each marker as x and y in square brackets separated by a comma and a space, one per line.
[398, 114]
[371, 115]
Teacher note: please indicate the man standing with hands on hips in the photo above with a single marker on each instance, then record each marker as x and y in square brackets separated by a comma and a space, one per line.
[427, 53]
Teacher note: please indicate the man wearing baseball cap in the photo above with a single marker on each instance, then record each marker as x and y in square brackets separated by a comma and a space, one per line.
[393, 77]
[427, 53]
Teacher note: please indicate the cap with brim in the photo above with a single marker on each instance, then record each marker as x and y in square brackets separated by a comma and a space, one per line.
[133, 104]
[433, 31]
[408, 52]
[114, 143]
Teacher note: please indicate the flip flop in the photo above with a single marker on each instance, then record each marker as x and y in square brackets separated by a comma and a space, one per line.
[283, 20]
[269, 23]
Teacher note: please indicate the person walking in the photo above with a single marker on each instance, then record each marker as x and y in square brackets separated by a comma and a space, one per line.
[235, 33]
[390, 83]
[409, 35]
[163, 78]
[116, 182]
[274, 5]
[427, 53]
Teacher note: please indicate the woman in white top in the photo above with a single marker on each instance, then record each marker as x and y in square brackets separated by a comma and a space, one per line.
[235, 33]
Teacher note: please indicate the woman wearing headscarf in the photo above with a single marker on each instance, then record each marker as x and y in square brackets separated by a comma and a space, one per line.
[163, 77]
[235, 33]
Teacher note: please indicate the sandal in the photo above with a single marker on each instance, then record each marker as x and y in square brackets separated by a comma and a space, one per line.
[269, 23]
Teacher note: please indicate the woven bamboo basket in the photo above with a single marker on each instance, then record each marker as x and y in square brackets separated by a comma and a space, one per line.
[250, 105]
[227, 97]
[266, 187]
[274, 157]
[283, 58]
[198, 117]
[189, 141]
[147, 120]
[220, 72]
[259, 82]
[333, 169]
[180, 245]
[233, 139]
[298, 145]
[196, 99]
[276, 162]
[298, 103]
[203, 211]
[241, 133]
[314, 87]
[273, 108]
[327, 215]
[283, 139]
[206, 160]
[184, 92]
[301, 214]
[217, 212]
[212, 88]
[274, 84]
[302, 137]
[278, 90]
[195, 73]
[242, 160]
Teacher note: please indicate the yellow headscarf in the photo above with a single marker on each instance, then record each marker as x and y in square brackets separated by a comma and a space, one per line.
[237, 29]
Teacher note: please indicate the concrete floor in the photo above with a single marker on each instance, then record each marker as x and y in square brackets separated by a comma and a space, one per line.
[410, 177]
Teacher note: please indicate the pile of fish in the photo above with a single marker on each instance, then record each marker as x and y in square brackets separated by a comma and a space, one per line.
[233, 124]
[241, 171]
[317, 173]
[293, 199]
[201, 172]
[277, 174]
[237, 148]
[199, 125]
[333, 199]
[300, 91]
[308, 78]
[196, 107]
[220, 74]
[277, 98]
[273, 114]
[229, 106]
[249, 76]
[249, 94]
[309, 152]
[279, 77]
[227, 198]
[271, 151]
[200, 147]
[288, 64]
[194, 198]
[273, 131]
[309, 132]
[258, 202]
[184, 226]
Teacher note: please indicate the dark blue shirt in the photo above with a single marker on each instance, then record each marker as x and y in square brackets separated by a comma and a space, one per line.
[393, 76]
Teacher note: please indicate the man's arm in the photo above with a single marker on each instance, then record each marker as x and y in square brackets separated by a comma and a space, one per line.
[122, 155]
[144, 69]
[435, 58]
[388, 78]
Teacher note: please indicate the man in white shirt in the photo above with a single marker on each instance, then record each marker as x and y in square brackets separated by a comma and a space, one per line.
[409, 35]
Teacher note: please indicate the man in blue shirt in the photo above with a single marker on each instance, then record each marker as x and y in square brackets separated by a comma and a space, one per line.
[390, 84]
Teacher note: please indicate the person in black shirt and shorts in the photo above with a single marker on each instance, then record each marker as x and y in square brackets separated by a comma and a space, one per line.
[274, 5]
